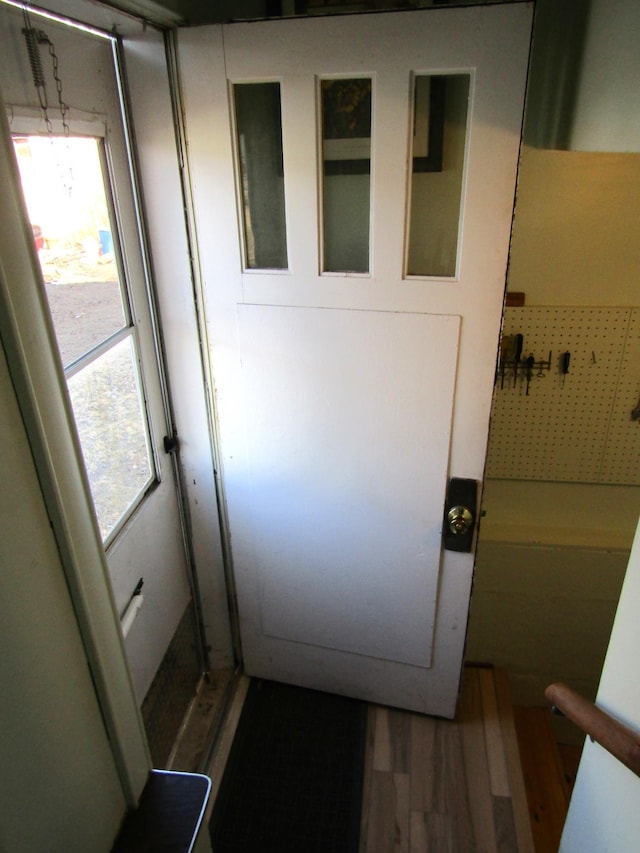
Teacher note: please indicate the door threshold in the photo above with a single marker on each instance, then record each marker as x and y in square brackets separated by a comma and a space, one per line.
[202, 721]
[214, 759]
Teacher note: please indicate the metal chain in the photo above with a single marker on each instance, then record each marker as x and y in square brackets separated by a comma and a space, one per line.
[64, 109]
[34, 38]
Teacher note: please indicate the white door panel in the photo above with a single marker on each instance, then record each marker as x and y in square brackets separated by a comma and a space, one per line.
[135, 554]
[354, 560]
[346, 400]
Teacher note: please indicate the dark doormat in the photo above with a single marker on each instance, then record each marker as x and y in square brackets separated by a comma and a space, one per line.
[293, 781]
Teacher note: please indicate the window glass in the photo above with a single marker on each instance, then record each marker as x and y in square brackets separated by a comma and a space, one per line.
[64, 188]
[110, 419]
[346, 174]
[65, 195]
[439, 144]
[259, 145]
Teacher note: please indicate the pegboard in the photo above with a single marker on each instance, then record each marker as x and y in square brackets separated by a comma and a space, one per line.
[578, 427]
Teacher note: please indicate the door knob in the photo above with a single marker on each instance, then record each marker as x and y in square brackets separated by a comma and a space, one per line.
[459, 519]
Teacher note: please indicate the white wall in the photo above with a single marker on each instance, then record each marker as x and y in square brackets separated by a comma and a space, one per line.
[59, 787]
[607, 108]
[604, 814]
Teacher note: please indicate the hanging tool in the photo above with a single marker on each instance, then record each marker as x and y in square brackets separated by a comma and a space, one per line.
[505, 349]
[517, 352]
[566, 358]
[543, 366]
[529, 365]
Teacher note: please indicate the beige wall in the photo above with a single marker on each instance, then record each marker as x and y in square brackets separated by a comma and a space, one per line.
[59, 787]
[551, 556]
[575, 236]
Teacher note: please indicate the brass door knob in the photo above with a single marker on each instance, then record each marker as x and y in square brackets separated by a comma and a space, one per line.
[459, 519]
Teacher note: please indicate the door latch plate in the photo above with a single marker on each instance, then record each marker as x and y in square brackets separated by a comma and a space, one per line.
[460, 514]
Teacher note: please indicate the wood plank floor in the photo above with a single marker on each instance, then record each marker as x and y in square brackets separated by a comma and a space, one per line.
[549, 772]
[447, 786]
[432, 785]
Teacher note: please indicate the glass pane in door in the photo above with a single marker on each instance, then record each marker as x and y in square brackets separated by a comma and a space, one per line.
[259, 146]
[346, 173]
[110, 419]
[65, 195]
[64, 185]
[439, 142]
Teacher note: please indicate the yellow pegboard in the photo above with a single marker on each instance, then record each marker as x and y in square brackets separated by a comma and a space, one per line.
[575, 428]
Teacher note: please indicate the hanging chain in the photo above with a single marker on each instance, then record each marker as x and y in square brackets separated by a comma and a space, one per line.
[64, 109]
[34, 38]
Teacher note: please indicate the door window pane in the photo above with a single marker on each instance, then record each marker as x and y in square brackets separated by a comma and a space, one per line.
[110, 420]
[439, 143]
[65, 196]
[259, 140]
[346, 162]
[64, 189]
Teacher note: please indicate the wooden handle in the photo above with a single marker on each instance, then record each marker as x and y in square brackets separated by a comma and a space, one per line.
[616, 738]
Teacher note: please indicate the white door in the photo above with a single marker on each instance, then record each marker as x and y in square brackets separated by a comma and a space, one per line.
[79, 198]
[354, 310]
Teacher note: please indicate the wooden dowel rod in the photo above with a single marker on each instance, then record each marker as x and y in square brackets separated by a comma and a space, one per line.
[609, 733]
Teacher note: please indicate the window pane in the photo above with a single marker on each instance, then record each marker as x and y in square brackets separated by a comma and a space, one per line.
[346, 158]
[66, 201]
[259, 129]
[439, 141]
[111, 424]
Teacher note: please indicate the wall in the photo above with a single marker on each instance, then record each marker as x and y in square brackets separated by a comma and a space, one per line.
[59, 787]
[604, 813]
[576, 226]
[551, 555]
[609, 75]
[548, 580]
[583, 92]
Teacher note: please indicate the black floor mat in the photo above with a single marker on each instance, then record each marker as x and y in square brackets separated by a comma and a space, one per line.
[293, 781]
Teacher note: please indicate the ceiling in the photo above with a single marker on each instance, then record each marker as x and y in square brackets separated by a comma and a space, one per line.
[190, 12]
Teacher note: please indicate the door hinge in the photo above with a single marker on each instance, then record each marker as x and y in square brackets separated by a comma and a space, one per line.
[171, 443]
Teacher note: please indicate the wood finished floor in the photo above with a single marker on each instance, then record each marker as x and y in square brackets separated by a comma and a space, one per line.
[445, 786]
[439, 786]
[549, 771]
